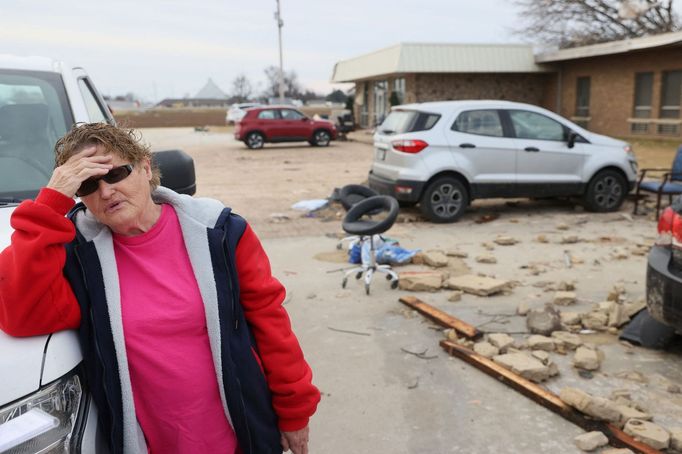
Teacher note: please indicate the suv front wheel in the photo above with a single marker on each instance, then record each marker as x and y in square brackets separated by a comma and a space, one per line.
[605, 192]
[444, 200]
[321, 138]
[255, 140]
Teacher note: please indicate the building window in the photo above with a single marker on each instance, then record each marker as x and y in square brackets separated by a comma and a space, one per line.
[399, 90]
[670, 94]
[380, 101]
[582, 98]
[669, 129]
[644, 86]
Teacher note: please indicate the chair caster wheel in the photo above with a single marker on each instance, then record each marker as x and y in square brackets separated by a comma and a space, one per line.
[388, 277]
[344, 282]
[394, 284]
[358, 275]
[367, 289]
[339, 246]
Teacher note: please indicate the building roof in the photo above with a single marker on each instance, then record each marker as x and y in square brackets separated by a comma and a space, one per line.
[405, 58]
[613, 47]
[211, 90]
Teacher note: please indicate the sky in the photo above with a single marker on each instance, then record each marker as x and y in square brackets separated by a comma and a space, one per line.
[169, 48]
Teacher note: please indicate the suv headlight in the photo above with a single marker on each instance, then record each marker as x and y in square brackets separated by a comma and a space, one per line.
[44, 422]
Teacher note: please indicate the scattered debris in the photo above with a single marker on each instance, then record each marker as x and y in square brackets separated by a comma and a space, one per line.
[486, 258]
[348, 331]
[674, 389]
[562, 226]
[505, 240]
[477, 285]
[587, 358]
[632, 375]
[543, 321]
[420, 355]
[420, 281]
[564, 298]
[522, 309]
[501, 340]
[486, 218]
[456, 253]
[455, 296]
[595, 320]
[597, 407]
[277, 218]
[524, 365]
[618, 451]
[653, 435]
[542, 239]
[486, 349]
[441, 317]
[569, 340]
[570, 318]
[540, 342]
[436, 259]
[676, 438]
[627, 413]
[591, 441]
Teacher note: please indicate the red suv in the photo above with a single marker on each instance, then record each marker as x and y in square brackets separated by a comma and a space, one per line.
[282, 124]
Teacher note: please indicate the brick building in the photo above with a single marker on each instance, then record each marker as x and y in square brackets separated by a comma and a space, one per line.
[623, 88]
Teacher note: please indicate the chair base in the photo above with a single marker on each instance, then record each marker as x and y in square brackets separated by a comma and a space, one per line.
[368, 272]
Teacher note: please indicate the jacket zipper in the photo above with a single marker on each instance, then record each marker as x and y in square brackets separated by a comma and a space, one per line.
[236, 325]
[229, 281]
[97, 350]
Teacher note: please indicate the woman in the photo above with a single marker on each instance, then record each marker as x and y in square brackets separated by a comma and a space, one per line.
[186, 344]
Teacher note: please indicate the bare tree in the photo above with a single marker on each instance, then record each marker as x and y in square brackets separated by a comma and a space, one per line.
[292, 88]
[570, 23]
[241, 88]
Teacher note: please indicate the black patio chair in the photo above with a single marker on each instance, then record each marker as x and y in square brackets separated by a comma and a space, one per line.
[669, 182]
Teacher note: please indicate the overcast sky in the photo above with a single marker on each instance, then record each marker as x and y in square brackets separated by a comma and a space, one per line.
[169, 48]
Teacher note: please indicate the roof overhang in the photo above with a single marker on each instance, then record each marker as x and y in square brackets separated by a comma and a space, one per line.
[411, 58]
[613, 47]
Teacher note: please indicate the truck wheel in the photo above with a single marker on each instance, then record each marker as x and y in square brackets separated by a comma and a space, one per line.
[321, 138]
[444, 200]
[605, 192]
[255, 140]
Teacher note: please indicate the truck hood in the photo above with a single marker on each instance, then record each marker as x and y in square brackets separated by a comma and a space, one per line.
[21, 363]
[5, 229]
[28, 362]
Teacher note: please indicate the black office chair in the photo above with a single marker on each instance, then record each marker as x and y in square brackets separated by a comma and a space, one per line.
[350, 195]
[368, 231]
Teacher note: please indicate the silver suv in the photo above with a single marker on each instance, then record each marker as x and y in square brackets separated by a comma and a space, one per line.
[443, 155]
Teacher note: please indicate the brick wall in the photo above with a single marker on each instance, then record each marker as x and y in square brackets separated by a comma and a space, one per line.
[612, 87]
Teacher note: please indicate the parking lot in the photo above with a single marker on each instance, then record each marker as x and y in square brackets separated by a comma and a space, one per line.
[377, 397]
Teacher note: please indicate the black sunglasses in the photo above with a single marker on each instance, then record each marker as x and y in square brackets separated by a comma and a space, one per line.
[113, 176]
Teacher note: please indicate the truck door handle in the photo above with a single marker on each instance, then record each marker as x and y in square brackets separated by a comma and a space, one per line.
[535, 149]
[467, 145]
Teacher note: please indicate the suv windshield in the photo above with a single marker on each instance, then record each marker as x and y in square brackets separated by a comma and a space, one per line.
[400, 121]
[33, 115]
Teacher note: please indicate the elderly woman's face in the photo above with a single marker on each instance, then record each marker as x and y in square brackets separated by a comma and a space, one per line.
[125, 207]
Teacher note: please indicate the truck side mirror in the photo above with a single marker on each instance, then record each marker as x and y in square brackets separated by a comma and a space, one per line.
[177, 170]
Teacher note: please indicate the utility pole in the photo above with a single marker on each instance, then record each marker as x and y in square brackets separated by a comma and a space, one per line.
[280, 24]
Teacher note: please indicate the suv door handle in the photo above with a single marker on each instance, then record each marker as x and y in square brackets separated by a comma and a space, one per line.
[467, 145]
[535, 149]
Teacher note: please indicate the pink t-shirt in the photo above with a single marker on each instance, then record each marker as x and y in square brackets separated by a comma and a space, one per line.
[173, 377]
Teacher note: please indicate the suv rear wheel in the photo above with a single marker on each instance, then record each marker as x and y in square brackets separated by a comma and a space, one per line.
[605, 192]
[444, 200]
[321, 138]
[255, 140]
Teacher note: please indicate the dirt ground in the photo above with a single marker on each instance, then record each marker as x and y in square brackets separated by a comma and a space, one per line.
[379, 398]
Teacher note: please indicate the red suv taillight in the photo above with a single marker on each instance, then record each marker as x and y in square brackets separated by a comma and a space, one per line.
[666, 222]
[409, 146]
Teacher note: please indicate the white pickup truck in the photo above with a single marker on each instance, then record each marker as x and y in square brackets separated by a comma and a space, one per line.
[44, 403]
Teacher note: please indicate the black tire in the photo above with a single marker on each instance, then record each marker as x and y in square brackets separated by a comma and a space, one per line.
[444, 200]
[605, 192]
[254, 140]
[321, 138]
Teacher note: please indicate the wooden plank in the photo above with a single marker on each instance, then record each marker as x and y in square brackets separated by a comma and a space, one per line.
[546, 398]
[440, 317]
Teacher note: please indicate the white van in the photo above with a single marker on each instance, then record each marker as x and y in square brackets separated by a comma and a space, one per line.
[443, 155]
[44, 403]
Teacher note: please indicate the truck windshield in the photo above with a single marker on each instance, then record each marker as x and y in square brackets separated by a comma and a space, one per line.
[401, 121]
[34, 113]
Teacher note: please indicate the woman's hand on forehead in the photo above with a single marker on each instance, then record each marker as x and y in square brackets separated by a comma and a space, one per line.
[85, 164]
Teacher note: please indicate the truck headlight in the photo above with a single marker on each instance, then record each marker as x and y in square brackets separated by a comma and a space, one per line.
[45, 421]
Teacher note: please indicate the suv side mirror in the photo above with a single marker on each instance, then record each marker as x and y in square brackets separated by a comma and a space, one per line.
[304, 119]
[572, 136]
[177, 170]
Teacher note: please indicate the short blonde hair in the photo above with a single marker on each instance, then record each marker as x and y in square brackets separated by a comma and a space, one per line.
[126, 143]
